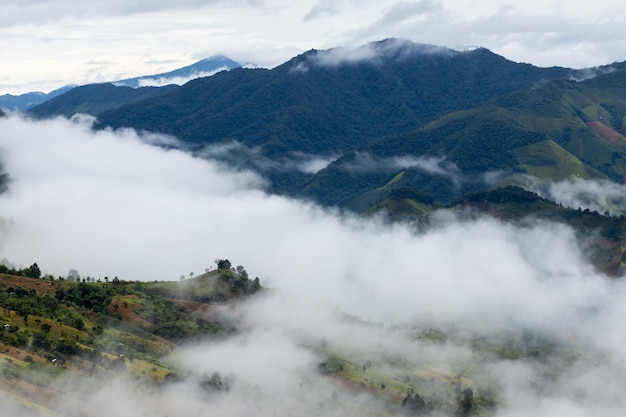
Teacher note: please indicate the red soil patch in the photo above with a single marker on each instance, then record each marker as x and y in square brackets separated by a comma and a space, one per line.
[606, 132]
[127, 313]
[41, 286]
[19, 354]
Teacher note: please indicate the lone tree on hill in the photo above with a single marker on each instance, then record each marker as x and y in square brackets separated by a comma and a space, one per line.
[33, 271]
[223, 264]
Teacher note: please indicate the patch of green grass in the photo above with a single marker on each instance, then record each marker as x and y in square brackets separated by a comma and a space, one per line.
[548, 160]
[595, 112]
[393, 181]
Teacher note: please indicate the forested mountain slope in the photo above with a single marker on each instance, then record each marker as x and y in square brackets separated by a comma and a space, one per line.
[330, 101]
[562, 130]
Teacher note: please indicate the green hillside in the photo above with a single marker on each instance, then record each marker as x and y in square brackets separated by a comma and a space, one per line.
[89, 331]
[306, 106]
[484, 118]
[563, 130]
[549, 161]
[310, 103]
[94, 99]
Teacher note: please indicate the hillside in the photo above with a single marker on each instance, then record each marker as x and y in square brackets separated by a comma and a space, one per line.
[560, 131]
[87, 331]
[460, 119]
[326, 101]
[24, 101]
[94, 99]
[203, 68]
[602, 236]
[88, 103]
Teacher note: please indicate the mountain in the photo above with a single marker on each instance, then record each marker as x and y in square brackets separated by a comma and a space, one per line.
[94, 99]
[202, 68]
[25, 101]
[86, 332]
[390, 115]
[330, 101]
[389, 100]
[564, 129]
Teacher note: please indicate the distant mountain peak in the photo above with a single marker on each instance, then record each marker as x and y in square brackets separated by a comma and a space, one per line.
[27, 100]
[203, 68]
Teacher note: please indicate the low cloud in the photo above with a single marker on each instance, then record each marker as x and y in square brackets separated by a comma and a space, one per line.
[108, 203]
[364, 162]
[237, 154]
[375, 53]
[163, 81]
[595, 195]
[589, 73]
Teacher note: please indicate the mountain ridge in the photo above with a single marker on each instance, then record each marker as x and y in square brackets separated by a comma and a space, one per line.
[204, 67]
[333, 99]
[474, 115]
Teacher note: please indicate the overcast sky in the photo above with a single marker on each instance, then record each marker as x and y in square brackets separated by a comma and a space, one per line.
[46, 44]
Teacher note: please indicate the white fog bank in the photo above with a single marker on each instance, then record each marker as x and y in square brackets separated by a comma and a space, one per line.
[109, 204]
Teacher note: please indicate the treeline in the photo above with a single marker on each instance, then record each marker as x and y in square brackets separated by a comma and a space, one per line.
[32, 271]
[58, 318]
[516, 203]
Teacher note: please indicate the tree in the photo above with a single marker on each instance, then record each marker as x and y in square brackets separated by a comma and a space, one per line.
[33, 271]
[67, 347]
[49, 303]
[79, 324]
[466, 402]
[73, 275]
[242, 272]
[223, 264]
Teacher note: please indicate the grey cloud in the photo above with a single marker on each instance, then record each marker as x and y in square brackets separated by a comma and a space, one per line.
[505, 30]
[330, 8]
[41, 11]
[406, 10]
[321, 9]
